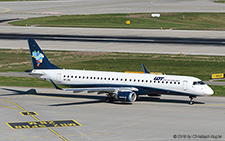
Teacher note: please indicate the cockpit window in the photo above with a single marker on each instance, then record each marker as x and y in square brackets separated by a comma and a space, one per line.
[198, 83]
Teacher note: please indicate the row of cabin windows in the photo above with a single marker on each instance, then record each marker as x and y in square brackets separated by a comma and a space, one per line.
[117, 79]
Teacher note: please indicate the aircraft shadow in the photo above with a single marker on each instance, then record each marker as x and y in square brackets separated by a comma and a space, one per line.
[159, 100]
[18, 92]
[97, 99]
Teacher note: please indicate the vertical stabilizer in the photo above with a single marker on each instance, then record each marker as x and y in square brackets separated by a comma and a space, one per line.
[38, 58]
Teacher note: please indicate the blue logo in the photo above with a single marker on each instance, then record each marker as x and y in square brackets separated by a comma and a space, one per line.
[159, 78]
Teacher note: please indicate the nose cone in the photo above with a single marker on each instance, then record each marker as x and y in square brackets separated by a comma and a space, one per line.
[209, 91]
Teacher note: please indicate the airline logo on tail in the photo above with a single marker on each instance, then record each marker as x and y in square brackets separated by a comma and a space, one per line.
[38, 56]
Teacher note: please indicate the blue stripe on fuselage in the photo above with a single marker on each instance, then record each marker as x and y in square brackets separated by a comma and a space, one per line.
[142, 90]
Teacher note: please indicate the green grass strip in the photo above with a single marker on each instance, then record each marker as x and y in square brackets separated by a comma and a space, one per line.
[219, 1]
[24, 82]
[198, 66]
[178, 21]
[218, 90]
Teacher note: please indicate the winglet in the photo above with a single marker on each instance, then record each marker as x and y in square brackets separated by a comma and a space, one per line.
[144, 69]
[55, 85]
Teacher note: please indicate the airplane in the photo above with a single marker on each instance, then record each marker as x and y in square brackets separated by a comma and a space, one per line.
[118, 86]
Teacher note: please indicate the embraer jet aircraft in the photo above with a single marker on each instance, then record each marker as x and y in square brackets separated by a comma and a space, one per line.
[125, 87]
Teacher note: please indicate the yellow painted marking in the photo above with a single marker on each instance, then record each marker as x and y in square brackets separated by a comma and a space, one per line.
[35, 118]
[54, 131]
[11, 137]
[5, 10]
[118, 132]
[9, 107]
[106, 133]
[20, 127]
[153, 2]
[63, 138]
[9, 125]
[42, 124]
[83, 134]
[28, 113]
[15, 105]
[35, 137]
[77, 123]
[47, 136]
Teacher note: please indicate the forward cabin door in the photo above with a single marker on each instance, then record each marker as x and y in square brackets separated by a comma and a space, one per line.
[185, 85]
[58, 77]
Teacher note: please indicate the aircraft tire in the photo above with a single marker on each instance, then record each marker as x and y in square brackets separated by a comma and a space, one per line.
[108, 100]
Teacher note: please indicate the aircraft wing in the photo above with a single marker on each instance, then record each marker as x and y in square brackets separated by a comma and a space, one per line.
[100, 90]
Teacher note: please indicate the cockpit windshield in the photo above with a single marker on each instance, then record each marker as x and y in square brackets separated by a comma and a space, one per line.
[198, 83]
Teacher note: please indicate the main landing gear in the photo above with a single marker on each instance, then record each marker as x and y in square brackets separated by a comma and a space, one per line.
[191, 102]
[109, 98]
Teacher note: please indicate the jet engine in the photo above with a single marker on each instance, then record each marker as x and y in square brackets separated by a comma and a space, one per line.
[126, 96]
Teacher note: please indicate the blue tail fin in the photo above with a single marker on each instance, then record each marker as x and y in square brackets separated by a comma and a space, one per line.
[38, 58]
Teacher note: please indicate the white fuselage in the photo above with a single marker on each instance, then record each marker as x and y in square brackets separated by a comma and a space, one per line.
[145, 83]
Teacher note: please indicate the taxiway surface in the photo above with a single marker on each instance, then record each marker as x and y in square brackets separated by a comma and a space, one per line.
[116, 40]
[168, 118]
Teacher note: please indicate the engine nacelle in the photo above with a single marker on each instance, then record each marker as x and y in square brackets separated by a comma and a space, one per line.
[126, 96]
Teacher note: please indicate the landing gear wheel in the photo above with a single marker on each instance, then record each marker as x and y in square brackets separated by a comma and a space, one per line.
[108, 100]
[191, 102]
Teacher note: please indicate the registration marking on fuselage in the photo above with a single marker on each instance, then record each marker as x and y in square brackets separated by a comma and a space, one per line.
[43, 124]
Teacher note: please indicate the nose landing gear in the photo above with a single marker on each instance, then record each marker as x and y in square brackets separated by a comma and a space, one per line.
[191, 102]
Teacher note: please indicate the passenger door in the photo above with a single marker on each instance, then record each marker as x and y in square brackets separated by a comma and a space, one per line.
[185, 85]
[58, 77]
